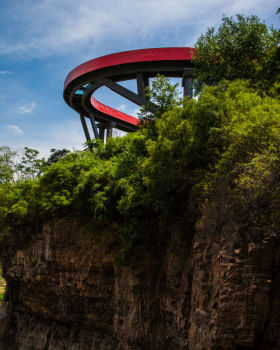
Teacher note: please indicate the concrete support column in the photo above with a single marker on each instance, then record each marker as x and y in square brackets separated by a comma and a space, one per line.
[187, 83]
[101, 131]
[142, 84]
[111, 125]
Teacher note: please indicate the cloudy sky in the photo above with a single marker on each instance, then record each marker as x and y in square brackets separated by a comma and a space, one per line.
[41, 41]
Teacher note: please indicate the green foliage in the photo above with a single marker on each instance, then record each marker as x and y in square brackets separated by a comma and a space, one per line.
[269, 75]
[251, 125]
[16, 168]
[162, 95]
[248, 167]
[56, 154]
[239, 49]
[30, 166]
[134, 187]
[6, 164]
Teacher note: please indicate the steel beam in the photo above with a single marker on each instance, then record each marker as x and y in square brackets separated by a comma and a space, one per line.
[130, 95]
[94, 127]
[142, 84]
[84, 124]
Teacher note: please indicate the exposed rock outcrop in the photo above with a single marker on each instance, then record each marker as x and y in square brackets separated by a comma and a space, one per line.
[217, 288]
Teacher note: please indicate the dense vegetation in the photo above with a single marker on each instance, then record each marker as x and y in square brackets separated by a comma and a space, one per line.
[244, 48]
[134, 187]
[17, 165]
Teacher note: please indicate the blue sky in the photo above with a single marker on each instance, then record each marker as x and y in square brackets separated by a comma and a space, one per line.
[41, 41]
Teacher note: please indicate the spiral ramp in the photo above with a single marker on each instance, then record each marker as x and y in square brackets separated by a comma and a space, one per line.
[141, 65]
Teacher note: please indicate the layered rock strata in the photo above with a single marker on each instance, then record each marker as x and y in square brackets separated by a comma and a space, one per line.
[215, 289]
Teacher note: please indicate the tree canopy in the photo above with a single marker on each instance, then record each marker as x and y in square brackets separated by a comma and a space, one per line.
[137, 181]
[6, 164]
[19, 165]
[241, 48]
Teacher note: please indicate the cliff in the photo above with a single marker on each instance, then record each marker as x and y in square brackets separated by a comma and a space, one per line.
[211, 288]
[166, 239]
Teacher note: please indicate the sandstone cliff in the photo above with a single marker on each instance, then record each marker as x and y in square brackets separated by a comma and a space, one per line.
[216, 287]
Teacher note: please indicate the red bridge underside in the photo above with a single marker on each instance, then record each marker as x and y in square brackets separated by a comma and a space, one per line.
[134, 56]
[113, 112]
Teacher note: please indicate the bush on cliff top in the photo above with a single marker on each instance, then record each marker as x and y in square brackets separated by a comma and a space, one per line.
[241, 48]
[229, 131]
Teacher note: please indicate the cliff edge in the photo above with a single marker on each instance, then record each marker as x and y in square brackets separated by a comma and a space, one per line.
[165, 239]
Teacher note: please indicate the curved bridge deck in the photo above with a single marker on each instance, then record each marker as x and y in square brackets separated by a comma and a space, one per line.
[84, 80]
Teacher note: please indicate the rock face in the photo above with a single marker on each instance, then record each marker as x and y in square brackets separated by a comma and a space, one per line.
[215, 287]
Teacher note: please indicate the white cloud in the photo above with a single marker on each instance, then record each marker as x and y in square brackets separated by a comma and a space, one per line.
[122, 107]
[14, 129]
[4, 72]
[27, 108]
[50, 27]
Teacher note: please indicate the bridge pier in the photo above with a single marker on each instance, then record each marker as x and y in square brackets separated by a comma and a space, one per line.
[187, 82]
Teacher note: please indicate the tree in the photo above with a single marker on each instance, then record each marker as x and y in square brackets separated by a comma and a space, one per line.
[239, 49]
[163, 96]
[7, 165]
[56, 154]
[30, 166]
